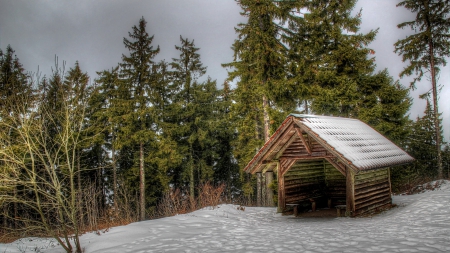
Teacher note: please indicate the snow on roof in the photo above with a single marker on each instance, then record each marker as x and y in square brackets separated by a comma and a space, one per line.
[356, 141]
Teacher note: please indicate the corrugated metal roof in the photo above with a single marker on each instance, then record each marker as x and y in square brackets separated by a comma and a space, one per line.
[356, 141]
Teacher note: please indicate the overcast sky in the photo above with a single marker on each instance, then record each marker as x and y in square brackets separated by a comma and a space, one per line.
[92, 32]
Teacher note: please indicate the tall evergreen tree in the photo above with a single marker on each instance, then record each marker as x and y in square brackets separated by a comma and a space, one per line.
[226, 169]
[14, 83]
[338, 55]
[192, 119]
[426, 49]
[137, 70]
[260, 57]
[104, 109]
[384, 104]
[334, 69]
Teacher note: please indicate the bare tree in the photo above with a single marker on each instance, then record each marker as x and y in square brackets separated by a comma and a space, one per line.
[41, 165]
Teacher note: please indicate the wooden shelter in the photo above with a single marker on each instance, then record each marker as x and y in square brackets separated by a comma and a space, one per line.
[329, 161]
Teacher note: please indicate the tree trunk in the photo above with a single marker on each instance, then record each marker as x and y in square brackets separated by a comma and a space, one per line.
[113, 154]
[79, 200]
[191, 181]
[266, 118]
[141, 182]
[436, 112]
[258, 189]
[269, 195]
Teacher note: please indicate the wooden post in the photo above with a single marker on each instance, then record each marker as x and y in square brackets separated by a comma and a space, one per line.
[269, 180]
[258, 188]
[350, 191]
[389, 180]
[281, 200]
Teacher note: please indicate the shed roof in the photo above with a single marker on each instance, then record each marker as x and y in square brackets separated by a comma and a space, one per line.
[351, 140]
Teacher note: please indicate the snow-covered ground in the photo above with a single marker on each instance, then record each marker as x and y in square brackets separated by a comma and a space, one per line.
[420, 223]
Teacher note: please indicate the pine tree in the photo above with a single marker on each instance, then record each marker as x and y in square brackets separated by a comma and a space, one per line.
[425, 50]
[136, 69]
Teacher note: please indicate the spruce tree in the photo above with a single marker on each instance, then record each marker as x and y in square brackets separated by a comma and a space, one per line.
[384, 104]
[186, 70]
[226, 169]
[104, 115]
[338, 55]
[260, 58]
[426, 49]
[422, 143]
[136, 69]
[14, 83]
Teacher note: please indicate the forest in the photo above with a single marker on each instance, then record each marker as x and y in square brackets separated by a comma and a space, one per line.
[147, 139]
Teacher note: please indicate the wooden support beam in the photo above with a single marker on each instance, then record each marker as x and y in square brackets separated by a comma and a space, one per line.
[287, 166]
[300, 134]
[281, 195]
[350, 192]
[336, 165]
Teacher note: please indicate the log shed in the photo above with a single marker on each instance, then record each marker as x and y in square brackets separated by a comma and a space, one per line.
[331, 161]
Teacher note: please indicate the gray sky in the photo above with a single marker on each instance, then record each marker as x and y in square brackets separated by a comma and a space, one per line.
[92, 32]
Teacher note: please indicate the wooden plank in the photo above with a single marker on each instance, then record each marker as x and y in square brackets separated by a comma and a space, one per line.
[373, 203]
[383, 204]
[366, 195]
[285, 146]
[305, 174]
[360, 187]
[300, 198]
[374, 187]
[369, 180]
[371, 174]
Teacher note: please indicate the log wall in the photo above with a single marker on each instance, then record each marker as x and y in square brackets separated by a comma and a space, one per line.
[335, 182]
[304, 180]
[372, 190]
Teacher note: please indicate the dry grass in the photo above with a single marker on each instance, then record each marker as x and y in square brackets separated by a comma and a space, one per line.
[180, 202]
